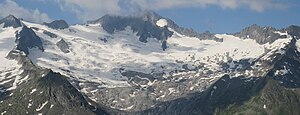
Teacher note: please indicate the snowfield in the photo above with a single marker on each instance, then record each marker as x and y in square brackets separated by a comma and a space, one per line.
[103, 65]
[93, 60]
[9, 69]
[7, 43]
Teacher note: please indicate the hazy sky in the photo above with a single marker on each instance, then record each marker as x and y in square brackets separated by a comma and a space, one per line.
[218, 16]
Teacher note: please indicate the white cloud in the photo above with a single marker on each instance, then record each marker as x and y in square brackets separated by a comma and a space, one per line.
[256, 5]
[92, 9]
[11, 7]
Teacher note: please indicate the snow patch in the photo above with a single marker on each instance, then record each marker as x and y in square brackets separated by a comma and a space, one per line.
[171, 90]
[42, 106]
[15, 83]
[191, 88]
[32, 91]
[127, 108]
[23, 79]
[298, 45]
[29, 105]
[43, 75]
[2, 113]
[282, 71]
[162, 22]
[51, 106]
[281, 33]
[215, 87]
[133, 94]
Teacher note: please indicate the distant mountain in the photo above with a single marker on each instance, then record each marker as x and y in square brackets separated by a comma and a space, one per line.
[10, 21]
[57, 24]
[261, 35]
[146, 64]
[293, 30]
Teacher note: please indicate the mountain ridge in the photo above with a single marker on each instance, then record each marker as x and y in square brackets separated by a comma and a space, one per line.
[152, 17]
[87, 64]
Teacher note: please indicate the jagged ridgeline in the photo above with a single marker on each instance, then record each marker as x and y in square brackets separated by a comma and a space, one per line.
[146, 64]
[145, 24]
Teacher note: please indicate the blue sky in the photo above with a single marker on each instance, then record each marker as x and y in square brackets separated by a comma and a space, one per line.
[218, 16]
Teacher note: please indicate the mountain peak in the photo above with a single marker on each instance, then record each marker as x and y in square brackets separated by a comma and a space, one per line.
[11, 21]
[148, 15]
[145, 26]
[293, 30]
[11, 17]
[148, 18]
[27, 39]
[254, 25]
[57, 24]
[262, 35]
[145, 15]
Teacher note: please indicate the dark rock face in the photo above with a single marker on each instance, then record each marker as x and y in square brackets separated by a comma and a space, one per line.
[57, 24]
[10, 21]
[50, 34]
[164, 45]
[64, 96]
[192, 33]
[209, 36]
[221, 94]
[63, 46]
[27, 39]
[293, 30]
[261, 35]
[286, 70]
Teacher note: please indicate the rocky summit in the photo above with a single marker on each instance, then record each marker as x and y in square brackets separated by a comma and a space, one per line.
[10, 21]
[57, 24]
[146, 64]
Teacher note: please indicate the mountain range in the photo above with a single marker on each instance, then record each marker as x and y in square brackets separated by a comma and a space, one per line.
[146, 64]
